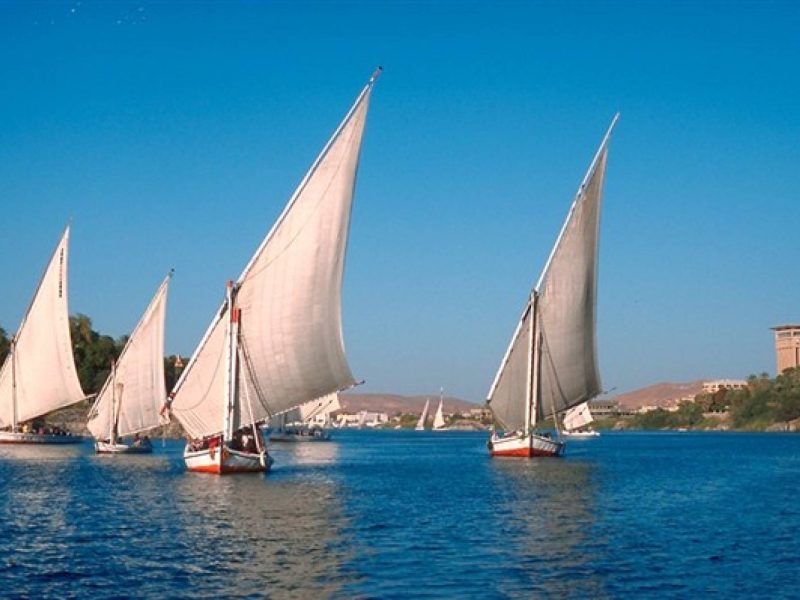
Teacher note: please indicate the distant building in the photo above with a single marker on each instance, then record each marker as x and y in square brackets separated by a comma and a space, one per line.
[364, 418]
[712, 387]
[479, 413]
[608, 409]
[787, 347]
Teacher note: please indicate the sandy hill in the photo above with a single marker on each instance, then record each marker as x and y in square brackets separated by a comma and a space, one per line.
[660, 394]
[394, 403]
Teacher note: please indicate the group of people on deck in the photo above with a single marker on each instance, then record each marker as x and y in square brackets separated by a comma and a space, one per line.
[40, 429]
[244, 440]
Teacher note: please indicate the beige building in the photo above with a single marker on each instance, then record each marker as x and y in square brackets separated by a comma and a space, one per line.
[712, 387]
[787, 347]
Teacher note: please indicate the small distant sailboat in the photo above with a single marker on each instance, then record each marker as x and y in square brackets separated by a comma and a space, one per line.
[576, 421]
[424, 416]
[551, 362]
[130, 400]
[439, 424]
[301, 424]
[38, 375]
[276, 341]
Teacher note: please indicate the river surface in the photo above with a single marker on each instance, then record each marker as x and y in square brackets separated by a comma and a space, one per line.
[401, 514]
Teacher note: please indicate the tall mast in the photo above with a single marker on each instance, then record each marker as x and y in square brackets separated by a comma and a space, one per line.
[14, 383]
[112, 436]
[231, 366]
[533, 374]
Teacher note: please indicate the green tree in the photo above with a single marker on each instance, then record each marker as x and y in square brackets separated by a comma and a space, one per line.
[93, 353]
[5, 345]
[689, 414]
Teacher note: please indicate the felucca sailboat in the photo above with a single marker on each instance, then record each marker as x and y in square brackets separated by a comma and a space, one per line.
[551, 362]
[276, 341]
[302, 424]
[424, 416]
[38, 375]
[576, 423]
[129, 403]
[439, 424]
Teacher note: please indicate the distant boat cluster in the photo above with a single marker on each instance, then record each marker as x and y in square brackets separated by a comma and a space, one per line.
[273, 354]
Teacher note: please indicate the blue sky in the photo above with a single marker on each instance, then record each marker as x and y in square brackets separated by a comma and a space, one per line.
[173, 133]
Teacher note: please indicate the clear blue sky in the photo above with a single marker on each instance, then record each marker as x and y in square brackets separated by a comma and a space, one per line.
[173, 134]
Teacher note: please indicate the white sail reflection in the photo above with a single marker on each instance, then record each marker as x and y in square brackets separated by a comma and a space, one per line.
[260, 539]
[297, 457]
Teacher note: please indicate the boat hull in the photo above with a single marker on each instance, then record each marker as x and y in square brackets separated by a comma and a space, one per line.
[580, 435]
[119, 448]
[12, 437]
[224, 461]
[525, 446]
[282, 436]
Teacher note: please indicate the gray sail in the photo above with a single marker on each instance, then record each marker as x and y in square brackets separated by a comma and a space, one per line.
[567, 304]
[509, 396]
[561, 315]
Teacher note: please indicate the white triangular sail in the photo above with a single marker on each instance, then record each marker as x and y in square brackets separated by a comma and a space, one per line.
[135, 392]
[39, 374]
[577, 417]
[289, 295]
[305, 413]
[551, 363]
[424, 416]
[438, 419]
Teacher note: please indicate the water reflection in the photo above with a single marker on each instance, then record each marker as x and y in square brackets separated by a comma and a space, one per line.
[299, 456]
[265, 535]
[546, 513]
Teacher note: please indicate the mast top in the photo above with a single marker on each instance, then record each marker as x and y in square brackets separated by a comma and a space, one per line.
[375, 74]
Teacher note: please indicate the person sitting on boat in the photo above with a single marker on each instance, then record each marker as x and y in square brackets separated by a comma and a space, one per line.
[137, 441]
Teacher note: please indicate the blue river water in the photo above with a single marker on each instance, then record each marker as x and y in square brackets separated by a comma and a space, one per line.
[401, 514]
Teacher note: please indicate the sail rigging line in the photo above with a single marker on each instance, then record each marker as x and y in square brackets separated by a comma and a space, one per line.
[253, 425]
[310, 215]
[310, 173]
[553, 370]
[578, 197]
[220, 315]
[248, 363]
[13, 353]
[532, 374]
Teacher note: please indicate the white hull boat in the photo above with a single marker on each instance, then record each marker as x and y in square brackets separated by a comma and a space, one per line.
[12, 437]
[212, 460]
[525, 446]
[141, 447]
[581, 435]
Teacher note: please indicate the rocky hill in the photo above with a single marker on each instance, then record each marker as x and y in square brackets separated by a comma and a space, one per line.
[394, 403]
[662, 395]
